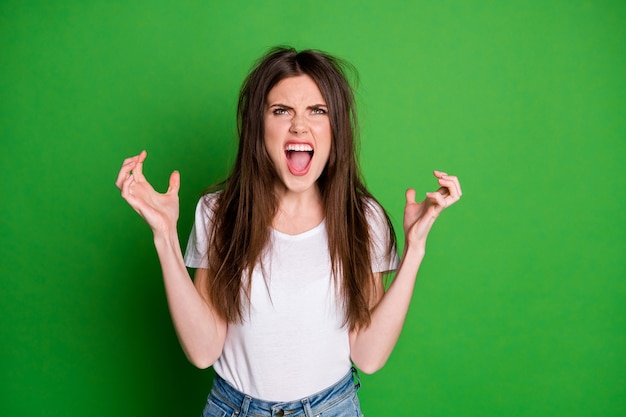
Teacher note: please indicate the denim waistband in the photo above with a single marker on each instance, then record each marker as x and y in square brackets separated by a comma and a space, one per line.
[308, 406]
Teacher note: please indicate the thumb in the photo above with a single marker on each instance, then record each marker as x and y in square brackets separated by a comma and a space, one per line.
[174, 183]
[410, 196]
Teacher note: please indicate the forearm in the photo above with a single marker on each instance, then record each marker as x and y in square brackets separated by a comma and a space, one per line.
[200, 332]
[372, 346]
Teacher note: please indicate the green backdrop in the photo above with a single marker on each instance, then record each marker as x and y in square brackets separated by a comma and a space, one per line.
[520, 307]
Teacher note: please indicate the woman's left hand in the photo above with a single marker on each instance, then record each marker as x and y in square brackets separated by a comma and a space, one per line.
[420, 217]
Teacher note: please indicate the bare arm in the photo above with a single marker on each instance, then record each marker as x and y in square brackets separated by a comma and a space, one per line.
[200, 330]
[370, 347]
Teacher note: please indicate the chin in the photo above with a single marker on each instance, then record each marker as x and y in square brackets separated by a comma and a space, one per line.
[299, 185]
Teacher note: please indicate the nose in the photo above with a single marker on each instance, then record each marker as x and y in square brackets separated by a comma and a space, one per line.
[298, 124]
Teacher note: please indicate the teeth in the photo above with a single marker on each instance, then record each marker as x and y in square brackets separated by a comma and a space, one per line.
[299, 147]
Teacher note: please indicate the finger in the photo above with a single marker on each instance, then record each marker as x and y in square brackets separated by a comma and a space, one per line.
[437, 199]
[453, 184]
[450, 187]
[127, 167]
[453, 195]
[450, 195]
[410, 196]
[457, 183]
[444, 191]
[126, 187]
[444, 175]
[174, 183]
[138, 169]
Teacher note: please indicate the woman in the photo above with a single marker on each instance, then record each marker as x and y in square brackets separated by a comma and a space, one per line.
[290, 254]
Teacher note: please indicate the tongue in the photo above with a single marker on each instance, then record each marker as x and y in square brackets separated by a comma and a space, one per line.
[299, 160]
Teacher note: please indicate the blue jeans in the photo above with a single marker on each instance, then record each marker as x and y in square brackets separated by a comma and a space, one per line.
[338, 400]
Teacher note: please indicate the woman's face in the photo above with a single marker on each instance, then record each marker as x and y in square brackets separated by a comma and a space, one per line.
[297, 133]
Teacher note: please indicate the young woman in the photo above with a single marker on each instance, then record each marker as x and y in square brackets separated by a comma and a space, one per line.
[290, 254]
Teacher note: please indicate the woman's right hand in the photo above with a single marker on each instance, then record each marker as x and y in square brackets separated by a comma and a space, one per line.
[160, 211]
[200, 330]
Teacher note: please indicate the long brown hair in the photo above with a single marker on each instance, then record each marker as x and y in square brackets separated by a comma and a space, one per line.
[244, 210]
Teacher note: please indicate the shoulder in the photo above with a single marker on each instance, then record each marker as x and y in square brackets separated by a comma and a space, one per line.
[206, 207]
[382, 237]
[378, 220]
[374, 211]
[211, 199]
[208, 202]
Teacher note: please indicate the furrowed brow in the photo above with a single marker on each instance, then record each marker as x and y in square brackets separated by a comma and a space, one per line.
[282, 106]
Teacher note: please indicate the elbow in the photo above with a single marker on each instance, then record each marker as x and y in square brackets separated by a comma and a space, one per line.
[201, 363]
[371, 366]
[369, 369]
[369, 359]
[201, 360]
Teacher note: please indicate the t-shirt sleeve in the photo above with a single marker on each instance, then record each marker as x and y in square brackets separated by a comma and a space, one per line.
[196, 254]
[382, 259]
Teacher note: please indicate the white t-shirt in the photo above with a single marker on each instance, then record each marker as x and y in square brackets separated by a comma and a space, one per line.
[292, 342]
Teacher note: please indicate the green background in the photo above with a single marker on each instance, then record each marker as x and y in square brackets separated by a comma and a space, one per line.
[520, 306]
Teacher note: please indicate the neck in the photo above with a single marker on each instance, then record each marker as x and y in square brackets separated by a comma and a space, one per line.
[298, 212]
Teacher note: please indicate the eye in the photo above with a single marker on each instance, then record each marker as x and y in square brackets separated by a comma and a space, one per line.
[279, 111]
[318, 110]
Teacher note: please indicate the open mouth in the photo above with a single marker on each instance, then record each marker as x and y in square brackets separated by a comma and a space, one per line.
[299, 156]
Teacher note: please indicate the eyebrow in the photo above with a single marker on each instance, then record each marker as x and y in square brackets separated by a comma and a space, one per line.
[312, 106]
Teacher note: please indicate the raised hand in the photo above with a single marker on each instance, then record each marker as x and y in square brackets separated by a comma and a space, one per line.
[420, 217]
[160, 211]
